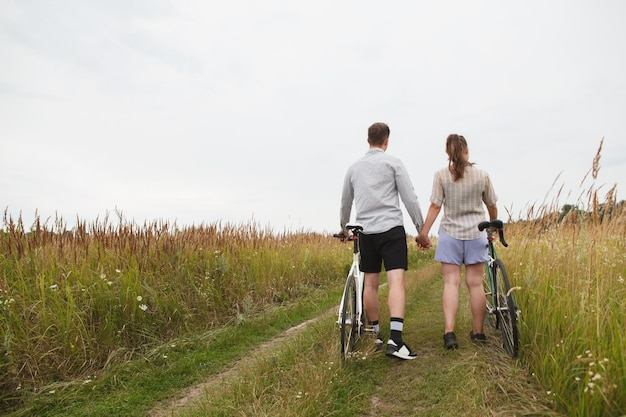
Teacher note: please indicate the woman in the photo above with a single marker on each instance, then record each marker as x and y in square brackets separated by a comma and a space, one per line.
[461, 188]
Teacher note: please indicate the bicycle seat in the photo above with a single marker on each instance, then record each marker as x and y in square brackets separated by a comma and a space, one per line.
[354, 226]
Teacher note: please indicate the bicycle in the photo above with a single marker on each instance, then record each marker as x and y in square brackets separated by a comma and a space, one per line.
[502, 312]
[351, 314]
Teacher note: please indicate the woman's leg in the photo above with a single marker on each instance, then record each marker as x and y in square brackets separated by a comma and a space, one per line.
[451, 284]
[474, 280]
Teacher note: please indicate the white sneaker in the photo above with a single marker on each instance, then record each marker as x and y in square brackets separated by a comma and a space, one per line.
[378, 343]
[403, 352]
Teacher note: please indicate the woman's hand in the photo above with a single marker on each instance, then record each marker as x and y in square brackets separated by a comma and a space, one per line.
[423, 241]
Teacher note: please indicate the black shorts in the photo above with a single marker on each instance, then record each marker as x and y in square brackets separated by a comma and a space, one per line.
[389, 247]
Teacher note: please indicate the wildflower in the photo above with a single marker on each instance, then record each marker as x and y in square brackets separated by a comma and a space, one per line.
[118, 271]
[596, 377]
[54, 287]
[103, 276]
[139, 298]
[143, 307]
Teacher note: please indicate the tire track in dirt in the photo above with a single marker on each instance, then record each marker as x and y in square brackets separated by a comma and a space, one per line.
[167, 408]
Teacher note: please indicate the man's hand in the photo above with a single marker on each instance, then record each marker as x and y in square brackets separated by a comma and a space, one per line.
[423, 242]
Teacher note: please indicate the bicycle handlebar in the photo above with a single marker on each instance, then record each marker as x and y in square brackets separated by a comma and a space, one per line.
[344, 237]
[493, 226]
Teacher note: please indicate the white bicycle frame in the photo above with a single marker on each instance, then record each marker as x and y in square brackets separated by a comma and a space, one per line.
[359, 278]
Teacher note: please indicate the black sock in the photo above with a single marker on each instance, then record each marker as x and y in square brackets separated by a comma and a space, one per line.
[396, 330]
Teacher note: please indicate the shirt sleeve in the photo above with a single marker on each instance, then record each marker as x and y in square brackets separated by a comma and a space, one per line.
[437, 196]
[347, 196]
[408, 196]
[489, 195]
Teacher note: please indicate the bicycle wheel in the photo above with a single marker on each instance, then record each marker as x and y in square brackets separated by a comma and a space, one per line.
[490, 316]
[506, 310]
[348, 325]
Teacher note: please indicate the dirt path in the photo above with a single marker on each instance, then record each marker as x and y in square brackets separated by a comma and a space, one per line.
[196, 391]
[472, 381]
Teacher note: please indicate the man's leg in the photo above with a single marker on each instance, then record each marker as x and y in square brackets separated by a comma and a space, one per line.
[370, 295]
[396, 301]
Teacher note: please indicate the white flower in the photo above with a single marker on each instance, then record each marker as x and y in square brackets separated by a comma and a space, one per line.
[54, 287]
[139, 298]
[143, 307]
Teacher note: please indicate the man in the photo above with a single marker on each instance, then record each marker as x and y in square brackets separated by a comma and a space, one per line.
[375, 183]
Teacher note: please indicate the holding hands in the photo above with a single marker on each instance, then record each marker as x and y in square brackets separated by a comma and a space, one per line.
[423, 241]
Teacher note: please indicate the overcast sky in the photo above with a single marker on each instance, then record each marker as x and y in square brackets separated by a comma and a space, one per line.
[238, 111]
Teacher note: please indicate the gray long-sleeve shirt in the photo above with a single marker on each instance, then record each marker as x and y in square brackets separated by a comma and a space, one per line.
[375, 183]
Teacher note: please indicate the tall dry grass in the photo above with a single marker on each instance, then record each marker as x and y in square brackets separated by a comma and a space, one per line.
[571, 263]
[72, 302]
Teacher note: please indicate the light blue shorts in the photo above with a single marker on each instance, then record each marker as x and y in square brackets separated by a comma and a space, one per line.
[455, 251]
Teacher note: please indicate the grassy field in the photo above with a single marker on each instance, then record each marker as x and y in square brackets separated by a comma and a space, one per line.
[74, 303]
[573, 297]
[116, 318]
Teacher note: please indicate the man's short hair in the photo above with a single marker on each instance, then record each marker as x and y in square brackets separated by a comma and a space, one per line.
[377, 134]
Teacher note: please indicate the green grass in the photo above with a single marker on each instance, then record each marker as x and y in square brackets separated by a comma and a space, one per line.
[74, 303]
[122, 320]
[305, 378]
[574, 305]
[134, 387]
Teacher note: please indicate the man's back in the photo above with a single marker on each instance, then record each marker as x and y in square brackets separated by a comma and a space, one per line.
[373, 183]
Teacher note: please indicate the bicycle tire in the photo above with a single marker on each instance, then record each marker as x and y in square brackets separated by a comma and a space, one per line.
[490, 316]
[348, 325]
[506, 310]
